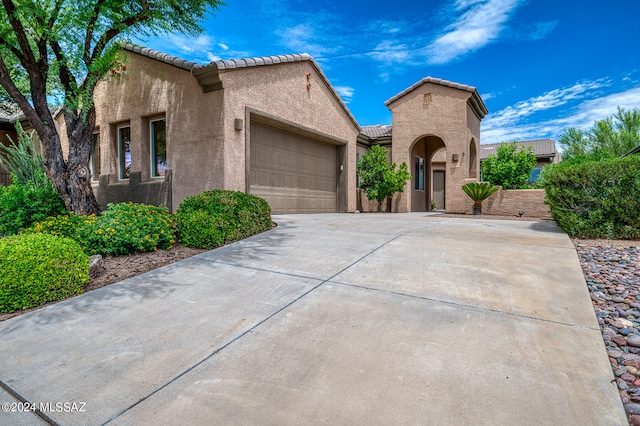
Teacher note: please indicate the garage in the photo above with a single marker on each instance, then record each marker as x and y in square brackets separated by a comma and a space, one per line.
[294, 173]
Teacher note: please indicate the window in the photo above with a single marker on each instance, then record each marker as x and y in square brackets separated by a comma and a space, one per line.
[357, 176]
[158, 132]
[95, 157]
[534, 176]
[419, 174]
[124, 152]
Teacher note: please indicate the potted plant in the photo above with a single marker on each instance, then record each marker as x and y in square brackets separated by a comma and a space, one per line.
[478, 192]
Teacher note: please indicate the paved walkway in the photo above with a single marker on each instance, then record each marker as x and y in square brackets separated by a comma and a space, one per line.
[328, 319]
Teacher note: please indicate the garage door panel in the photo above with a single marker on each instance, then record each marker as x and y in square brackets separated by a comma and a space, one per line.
[293, 173]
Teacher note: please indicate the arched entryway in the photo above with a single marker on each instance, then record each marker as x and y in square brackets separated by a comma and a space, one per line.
[422, 153]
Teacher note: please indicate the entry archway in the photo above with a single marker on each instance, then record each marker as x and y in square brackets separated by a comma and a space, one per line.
[421, 156]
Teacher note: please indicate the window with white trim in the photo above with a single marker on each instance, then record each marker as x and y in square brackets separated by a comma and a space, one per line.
[158, 144]
[95, 157]
[124, 152]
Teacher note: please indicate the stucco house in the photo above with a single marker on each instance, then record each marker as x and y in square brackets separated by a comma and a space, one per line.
[544, 150]
[275, 127]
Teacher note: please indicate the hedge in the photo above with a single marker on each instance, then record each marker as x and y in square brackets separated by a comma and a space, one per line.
[599, 199]
[40, 268]
[213, 218]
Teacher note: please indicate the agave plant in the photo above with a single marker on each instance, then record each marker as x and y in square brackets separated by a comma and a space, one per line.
[478, 192]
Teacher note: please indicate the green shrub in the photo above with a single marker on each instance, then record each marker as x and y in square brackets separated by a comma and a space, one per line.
[595, 199]
[40, 268]
[65, 225]
[24, 204]
[212, 218]
[127, 228]
[510, 168]
[122, 229]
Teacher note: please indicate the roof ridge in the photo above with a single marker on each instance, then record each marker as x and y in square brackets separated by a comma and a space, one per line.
[163, 57]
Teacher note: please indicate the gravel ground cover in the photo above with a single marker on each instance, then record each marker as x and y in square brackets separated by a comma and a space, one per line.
[612, 273]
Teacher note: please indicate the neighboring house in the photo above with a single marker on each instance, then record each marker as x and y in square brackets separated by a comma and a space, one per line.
[274, 127]
[7, 130]
[544, 150]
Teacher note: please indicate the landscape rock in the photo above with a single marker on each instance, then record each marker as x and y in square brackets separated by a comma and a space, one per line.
[633, 340]
[94, 263]
[612, 275]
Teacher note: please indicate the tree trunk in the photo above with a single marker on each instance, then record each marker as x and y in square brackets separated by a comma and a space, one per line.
[78, 177]
[477, 207]
[71, 179]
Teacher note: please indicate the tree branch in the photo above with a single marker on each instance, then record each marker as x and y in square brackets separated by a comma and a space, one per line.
[66, 77]
[29, 62]
[19, 98]
[90, 28]
[116, 29]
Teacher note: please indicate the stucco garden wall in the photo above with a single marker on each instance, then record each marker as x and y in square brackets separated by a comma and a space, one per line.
[509, 202]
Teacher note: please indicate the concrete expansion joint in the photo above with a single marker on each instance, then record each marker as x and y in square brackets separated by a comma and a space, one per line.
[254, 327]
[463, 305]
[35, 411]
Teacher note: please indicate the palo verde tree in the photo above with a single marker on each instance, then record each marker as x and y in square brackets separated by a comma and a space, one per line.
[378, 178]
[610, 137]
[63, 48]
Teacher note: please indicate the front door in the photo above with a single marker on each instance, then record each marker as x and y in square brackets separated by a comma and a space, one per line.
[438, 189]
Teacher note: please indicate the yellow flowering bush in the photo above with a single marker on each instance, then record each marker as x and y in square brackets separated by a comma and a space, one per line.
[129, 227]
[121, 229]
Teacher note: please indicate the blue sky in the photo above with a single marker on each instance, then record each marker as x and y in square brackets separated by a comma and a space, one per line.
[541, 66]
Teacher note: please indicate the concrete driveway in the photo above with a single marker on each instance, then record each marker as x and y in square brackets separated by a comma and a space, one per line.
[328, 319]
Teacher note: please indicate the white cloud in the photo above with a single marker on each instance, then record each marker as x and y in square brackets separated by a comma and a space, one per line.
[480, 24]
[345, 92]
[513, 122]
[190, 45]
[389, 52]
[212, 58]
[302, 38]
[223, 46]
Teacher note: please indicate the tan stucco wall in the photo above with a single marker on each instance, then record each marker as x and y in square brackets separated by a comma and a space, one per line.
[151, 89]
[446, 116]
[280, 92]
[509, 202]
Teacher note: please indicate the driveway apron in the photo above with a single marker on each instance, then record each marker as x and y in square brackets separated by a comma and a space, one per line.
[353, 319]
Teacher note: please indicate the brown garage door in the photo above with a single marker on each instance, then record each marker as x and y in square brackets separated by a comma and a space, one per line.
[293, 173]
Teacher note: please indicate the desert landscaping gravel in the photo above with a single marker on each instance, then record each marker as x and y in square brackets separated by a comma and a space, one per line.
[612, 273]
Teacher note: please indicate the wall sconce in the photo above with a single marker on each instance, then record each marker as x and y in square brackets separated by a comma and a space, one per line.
[454, 157]
[238, 124]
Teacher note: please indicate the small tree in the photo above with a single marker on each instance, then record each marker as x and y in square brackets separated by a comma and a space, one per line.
[378, 178]
[478, 192]
[510, 168]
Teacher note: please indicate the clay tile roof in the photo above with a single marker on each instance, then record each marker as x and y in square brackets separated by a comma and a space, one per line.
[431, 80]
[263, 60]
[541, 148]
[163, 57]
[377, 131]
